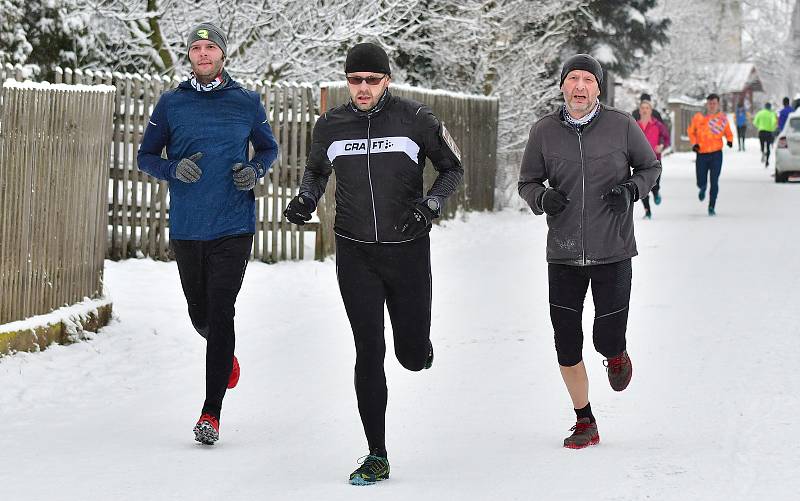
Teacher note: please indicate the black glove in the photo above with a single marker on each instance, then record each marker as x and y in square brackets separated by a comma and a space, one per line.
[244, 176]
[187, 170]
[416, 219]
[696, 148]
[553, 201]
[730, 144]
[299, 209]
[620, 197]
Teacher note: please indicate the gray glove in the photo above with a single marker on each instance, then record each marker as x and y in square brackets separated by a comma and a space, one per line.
[187, 170]
[244, 176]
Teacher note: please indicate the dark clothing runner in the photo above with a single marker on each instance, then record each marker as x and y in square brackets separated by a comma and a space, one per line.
[211, 274]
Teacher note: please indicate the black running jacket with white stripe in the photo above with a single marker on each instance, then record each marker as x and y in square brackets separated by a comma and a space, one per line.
[379, 157]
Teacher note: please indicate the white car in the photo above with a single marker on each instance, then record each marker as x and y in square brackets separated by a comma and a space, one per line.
[787, 150]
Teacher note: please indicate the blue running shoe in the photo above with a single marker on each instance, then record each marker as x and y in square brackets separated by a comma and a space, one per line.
[702, 195]
[711, 211]
[657, 199]
[648, 215]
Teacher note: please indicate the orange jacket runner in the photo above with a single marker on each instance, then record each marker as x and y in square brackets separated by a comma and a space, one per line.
[708, 130]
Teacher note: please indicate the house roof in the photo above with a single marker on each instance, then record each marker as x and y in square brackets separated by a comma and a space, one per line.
[735, 77]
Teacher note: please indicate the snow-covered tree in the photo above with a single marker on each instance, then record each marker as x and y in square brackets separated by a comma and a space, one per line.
[43, 33]
[504, 48]
[619, 33]
[272, 39]
[768, 42]
[14, 45]
[684, 65]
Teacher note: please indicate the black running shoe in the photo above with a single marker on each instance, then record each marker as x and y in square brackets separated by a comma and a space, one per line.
[373, 469]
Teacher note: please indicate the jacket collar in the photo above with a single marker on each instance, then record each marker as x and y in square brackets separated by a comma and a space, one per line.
[370, 113]
[561, 113]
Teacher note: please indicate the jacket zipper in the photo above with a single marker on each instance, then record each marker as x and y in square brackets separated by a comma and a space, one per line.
[369, 175]
[583, 199]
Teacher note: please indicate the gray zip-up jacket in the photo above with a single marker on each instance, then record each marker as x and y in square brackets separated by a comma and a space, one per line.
[585, 166]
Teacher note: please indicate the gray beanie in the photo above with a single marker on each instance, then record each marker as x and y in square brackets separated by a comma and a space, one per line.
[207, 31]
[583, 62]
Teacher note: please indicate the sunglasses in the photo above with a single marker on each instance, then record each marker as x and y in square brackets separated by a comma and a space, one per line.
[371, 80]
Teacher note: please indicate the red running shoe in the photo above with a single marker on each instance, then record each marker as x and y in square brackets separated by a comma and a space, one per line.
[620, 370]
[206, 431]
[233, 380]
[583, 435]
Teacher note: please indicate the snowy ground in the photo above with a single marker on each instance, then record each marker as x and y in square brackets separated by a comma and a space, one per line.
[713, 335]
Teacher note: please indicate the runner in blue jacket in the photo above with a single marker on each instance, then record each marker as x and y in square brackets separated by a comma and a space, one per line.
[206, 125]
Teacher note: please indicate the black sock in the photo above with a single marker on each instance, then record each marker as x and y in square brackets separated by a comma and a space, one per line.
[378, 451]
[585, 412]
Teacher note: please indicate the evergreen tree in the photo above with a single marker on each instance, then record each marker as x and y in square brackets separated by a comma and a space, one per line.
[619, 33]
[43, 34]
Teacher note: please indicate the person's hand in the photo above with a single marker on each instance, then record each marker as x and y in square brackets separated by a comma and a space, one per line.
[620, 197]
[244, 176]
[696, 148]
[187, 170]
[299, 209]
[659, 148]
[416, 219]
[730, 144]
[553, 202]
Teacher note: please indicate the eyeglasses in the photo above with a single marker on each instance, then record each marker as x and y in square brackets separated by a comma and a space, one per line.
[371, 80]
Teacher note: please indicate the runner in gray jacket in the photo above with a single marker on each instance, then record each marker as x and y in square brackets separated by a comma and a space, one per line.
[585, 165]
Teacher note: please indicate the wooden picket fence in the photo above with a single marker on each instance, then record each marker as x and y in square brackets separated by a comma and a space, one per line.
[138, 205]
[53, 180]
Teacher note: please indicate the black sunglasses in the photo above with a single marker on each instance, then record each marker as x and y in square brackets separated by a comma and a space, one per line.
[371, 80]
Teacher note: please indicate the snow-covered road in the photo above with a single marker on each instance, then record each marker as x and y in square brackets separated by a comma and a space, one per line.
[714, 335]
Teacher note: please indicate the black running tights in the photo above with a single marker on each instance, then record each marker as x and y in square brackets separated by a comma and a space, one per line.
[211, 275]
[399, 276]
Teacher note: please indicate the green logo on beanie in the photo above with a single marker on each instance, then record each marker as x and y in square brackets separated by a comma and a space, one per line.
[202, 34]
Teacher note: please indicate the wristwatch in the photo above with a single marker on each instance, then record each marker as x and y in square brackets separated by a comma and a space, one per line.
[433, 205]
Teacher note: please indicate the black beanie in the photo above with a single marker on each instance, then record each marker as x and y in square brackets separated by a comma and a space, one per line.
[367, 57]
[583, 62]
[207, 31]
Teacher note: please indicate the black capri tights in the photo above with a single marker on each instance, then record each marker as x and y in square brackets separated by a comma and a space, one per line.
[611, 291]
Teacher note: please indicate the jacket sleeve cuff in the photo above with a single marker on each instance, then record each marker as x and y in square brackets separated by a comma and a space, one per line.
[633, 188]
[535, 202]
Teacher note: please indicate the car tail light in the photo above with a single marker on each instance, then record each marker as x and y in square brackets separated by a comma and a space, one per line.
[782, 142]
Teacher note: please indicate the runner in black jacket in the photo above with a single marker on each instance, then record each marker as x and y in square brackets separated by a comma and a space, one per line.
[378, 143]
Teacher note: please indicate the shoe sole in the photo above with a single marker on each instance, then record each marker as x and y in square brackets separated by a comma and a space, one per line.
[594, 441]
[364, 481]
[205, 433]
